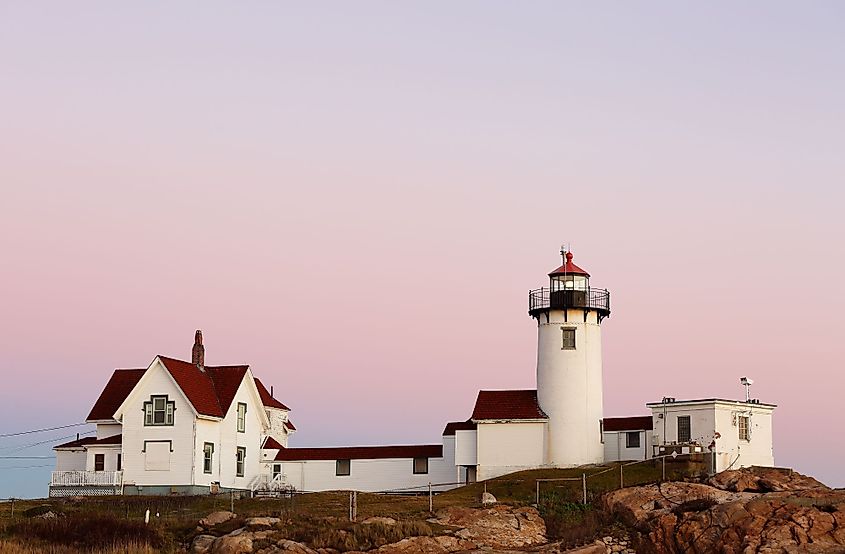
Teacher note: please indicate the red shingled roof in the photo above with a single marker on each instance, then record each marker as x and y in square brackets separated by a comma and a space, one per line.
[210, 391]
[289, 424]
[360, 452]
[117, 389]
[569, 268]
[197, 386]
[636, 423]
[453, 426]
[271, 444]
[266, 399]
[91, 441]
[507, 404]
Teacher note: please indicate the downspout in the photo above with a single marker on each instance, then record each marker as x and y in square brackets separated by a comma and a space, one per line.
[194, 456]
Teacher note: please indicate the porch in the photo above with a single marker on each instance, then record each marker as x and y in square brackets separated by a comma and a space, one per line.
[86, 483]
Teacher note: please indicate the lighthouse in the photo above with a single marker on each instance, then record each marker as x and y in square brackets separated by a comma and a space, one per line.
[569, 313]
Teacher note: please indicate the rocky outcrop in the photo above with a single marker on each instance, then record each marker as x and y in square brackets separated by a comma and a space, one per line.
[496, 527]
[215, 518]
[736, 517]
[764, 479]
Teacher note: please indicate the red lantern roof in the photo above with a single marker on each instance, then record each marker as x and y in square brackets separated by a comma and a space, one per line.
[568, 268]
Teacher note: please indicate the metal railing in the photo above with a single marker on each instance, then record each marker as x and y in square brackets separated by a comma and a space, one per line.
[591, 298]
[86, 478]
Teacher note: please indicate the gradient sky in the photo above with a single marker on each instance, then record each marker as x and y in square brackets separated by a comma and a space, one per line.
[354, 198]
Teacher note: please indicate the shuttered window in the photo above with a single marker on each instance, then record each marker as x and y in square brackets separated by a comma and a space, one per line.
[159, 411]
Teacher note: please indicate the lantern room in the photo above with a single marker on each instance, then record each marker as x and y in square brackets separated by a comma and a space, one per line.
[569, 276]
[569, 288]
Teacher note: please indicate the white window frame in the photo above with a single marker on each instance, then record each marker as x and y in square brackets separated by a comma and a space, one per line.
[240, 461]
[167, 411]
[743, 424]
[241, 417]
[565, 333]
[208, 457]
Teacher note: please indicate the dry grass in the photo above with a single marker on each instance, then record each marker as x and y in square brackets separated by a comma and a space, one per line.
[14, 547]
[319, 519]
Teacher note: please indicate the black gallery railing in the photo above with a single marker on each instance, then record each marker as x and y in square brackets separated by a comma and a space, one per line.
[591, 298]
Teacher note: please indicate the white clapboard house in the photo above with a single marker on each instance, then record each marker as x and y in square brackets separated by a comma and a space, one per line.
[179, 427]
[175, 427]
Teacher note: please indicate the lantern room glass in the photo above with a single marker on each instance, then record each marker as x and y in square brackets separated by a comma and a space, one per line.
[570, 282]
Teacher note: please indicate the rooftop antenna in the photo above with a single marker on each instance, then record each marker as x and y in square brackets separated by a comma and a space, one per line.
[746, 382]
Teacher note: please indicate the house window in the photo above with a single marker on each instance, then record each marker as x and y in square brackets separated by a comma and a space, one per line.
[239, 464]
[568, 334]
[119, 461]
[742, 422]
[342, 467]
[159, 411]
[420, 465]
[601, 430]
[277, 470]
[241, 417]
[157, 455]
[99, 462]
[684, 431]
[207, 457]
[632, 439]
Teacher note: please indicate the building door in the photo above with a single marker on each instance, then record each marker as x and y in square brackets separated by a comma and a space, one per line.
[469, 474]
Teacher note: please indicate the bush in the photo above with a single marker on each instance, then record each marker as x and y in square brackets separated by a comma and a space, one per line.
[87, 531]
[572, 523]
[369, 536]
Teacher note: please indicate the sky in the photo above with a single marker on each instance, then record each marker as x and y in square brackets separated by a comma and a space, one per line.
[355, 198]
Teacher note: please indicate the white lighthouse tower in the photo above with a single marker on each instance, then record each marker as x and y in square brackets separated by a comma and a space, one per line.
[569, 373]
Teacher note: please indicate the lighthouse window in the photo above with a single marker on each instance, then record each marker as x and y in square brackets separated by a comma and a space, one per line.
[568, 338]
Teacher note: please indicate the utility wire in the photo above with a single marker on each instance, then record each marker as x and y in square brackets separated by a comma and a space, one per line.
[24, 467]
[26, 457]
[17, 448]
[19, 433]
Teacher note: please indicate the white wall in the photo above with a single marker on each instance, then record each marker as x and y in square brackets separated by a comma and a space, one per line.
[109, 457]
[757, 451]
[108, 430]
[181, 434]
[615, 448]
[230, 438]
[71, 460]
[709, 418]
[466, 448]
[366, 475]
[569, 388]
[277, 429]
[508, 447]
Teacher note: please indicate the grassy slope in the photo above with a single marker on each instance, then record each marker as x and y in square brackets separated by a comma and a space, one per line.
[307, 515]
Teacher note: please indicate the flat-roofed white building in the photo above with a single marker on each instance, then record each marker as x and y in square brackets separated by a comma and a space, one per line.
[737, 433]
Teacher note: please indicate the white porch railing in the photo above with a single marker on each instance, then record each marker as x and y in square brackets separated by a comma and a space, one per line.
[86, 478]
[266, 482]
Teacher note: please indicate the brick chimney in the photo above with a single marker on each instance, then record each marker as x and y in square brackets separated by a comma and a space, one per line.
[198, 352]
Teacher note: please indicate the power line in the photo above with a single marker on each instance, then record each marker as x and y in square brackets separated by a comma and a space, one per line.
[24, 467]
[18, 448]
[19, 433]
[26, 457]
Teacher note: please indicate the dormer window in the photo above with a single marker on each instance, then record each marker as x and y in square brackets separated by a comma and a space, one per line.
[159, 411]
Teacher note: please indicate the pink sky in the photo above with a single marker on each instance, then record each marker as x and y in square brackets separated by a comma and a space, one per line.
[355, 201]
